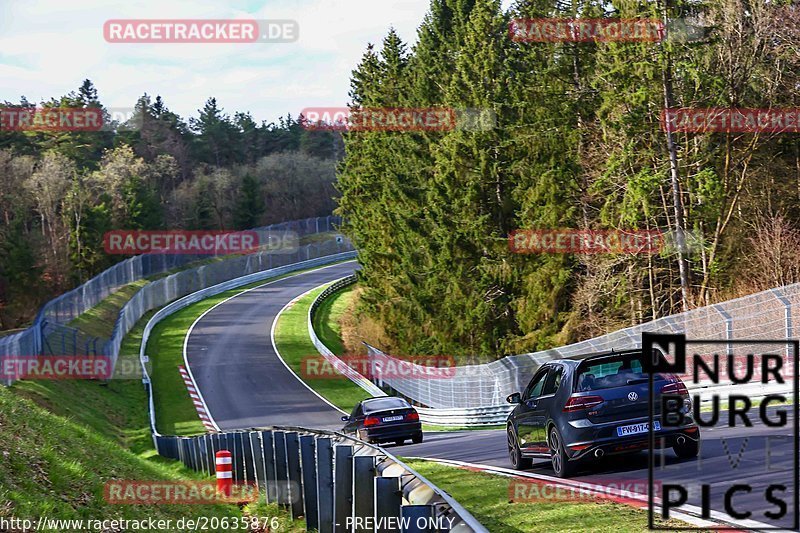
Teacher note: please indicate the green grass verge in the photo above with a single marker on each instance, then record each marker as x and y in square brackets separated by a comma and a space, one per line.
[487, 498]
[99, 320]
[61, 441]
[294, 345]
[326, 320]
[327, 325]
[175, 412]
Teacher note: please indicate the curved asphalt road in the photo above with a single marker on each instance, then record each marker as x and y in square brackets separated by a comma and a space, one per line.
[245, 385]
[242, 380]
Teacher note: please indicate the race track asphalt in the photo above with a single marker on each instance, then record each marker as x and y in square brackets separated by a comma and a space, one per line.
[243, 381]
[245, 385]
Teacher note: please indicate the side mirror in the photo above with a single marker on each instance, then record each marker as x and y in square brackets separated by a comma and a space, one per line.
[514, 398]
[345, 418]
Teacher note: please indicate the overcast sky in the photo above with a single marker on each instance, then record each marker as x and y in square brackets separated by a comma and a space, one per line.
[47, 47]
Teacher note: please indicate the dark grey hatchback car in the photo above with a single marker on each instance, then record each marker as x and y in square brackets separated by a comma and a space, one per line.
[576, 410]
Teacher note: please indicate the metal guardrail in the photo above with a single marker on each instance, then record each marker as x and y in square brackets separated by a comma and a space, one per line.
[470, 417]
[483, 376]
[336, 482]
[323, 476]
[49, 326]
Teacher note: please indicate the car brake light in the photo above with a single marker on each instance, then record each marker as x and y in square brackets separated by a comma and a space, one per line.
[675, 387]
[412, 417]
[578, 403]
[371, 421]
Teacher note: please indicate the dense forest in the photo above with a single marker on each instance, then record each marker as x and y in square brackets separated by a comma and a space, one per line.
[578, 144]
[60, 191]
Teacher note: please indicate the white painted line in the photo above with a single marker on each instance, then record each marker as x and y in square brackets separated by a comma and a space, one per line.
[275, 321]
[274, 347]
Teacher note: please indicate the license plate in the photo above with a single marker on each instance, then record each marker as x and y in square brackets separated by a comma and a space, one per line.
[392, 418]
[635, 429]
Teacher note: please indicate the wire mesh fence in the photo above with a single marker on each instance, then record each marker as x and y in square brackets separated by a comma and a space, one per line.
[50, 333]
[767, 315]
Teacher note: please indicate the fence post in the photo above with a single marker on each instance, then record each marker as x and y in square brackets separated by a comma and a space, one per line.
[728, 326]
[419, 518]
[325, 485]
[309, 466]
[787, 314]
[363, 491]
[388, 500]
[295, 474]
[342, 486]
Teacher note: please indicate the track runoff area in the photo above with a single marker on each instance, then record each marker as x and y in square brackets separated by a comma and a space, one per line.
[743, 396]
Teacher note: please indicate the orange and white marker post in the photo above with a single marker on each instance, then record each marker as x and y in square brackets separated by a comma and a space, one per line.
[224, 473]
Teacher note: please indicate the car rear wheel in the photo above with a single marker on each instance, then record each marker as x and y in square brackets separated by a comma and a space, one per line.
[688, 449]
[518, 462]
[562, 466]
[416, 439]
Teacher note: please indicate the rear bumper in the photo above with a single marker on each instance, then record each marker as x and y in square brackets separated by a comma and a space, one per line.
[389, 433]
[586, 441]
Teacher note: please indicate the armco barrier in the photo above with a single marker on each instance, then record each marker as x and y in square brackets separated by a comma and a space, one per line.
[336, 482]
[325, 476]
[479, 416]
[475, 396]
[49, 335]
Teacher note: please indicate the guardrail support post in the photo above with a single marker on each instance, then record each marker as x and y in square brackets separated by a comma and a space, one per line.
[257, 456]
[343, 486]
[238, 457]
[325, 485]
[308, 462]
[281, 469]
[295, 474]
[363, 491]
[270, 477]
[388, 500]
[419, 518]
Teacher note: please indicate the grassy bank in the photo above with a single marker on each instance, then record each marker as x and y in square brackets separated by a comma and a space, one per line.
[490, 499]
[61, 441]
[294, 346]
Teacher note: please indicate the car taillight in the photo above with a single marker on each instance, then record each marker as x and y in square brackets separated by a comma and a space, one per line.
[371, 421]
[412, 417]
[675, 386]
[578, 403]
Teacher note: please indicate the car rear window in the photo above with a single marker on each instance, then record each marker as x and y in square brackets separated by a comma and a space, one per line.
[610, 372]
[385, 405]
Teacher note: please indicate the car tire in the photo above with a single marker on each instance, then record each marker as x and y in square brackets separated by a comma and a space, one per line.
[562, 466]
[399, 442]
[416, 439]
[518, 462]
[688, 450]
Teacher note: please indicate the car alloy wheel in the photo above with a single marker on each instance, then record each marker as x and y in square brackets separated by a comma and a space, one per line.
[515, 454]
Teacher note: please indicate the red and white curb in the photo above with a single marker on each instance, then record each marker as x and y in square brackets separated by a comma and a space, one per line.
[691, 514]
[198, 403]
